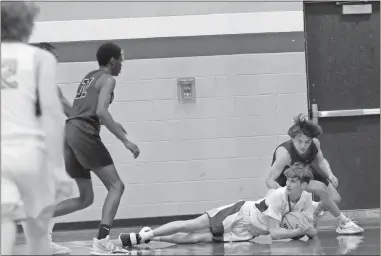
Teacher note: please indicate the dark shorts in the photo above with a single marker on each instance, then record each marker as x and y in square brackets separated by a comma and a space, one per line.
[84, 149]
[317, 176]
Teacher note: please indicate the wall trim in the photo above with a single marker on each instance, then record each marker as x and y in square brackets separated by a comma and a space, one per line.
[168, 26]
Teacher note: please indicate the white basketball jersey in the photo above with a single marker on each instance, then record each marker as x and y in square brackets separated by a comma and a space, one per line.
[19, 123]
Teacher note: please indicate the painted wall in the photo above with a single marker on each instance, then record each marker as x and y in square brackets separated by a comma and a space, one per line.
[195, 156]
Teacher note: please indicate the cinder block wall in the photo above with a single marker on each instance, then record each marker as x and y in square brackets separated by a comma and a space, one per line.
[200, 155]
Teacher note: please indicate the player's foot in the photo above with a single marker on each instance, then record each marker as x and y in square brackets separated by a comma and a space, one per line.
[317, 210]
[348, 227]
[131, 239]
[348, 243]
[105, 247]
[57, 249]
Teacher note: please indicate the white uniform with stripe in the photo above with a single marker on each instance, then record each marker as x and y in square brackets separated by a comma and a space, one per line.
[244, 220]
[27, 186]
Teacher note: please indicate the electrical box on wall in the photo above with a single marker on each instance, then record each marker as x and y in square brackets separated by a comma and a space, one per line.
[186, 90]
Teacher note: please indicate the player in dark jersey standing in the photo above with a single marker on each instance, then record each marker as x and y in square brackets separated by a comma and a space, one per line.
[84, 149]
[304, 147]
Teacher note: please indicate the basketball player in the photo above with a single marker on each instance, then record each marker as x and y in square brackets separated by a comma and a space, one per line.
[85, 151]
[243, 220]
[56, 249]
[304, 147]
[33, 175]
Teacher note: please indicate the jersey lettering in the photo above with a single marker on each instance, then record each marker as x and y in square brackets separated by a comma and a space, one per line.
[8, 74]
[82, 89]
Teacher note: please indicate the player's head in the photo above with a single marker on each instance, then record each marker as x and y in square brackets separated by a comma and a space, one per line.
[48, 47]
[298, 176]
[17, 20]
[110, 55]
[302, 132]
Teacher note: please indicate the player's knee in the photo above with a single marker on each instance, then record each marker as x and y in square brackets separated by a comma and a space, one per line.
[336, 198]
[318, 188]
[86, 200]
[118, 187]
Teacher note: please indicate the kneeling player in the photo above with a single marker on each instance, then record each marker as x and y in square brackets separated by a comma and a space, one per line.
[241, 221]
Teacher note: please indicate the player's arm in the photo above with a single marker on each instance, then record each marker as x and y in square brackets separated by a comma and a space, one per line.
[323, 164]
[275, 202]
[281, 161]
[67, 108]
[308, 211]
[51, 108]
[104, 115]
[277, 232]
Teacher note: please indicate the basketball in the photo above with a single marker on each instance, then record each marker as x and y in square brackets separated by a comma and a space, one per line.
[292, 220]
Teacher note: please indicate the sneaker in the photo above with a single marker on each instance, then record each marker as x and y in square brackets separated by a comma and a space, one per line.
[57, 249]
[105, 247]
[348, 243]
[129, 239]
[317, 210]
[348, 227]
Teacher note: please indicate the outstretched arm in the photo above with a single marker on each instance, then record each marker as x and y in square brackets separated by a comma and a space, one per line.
[323, 164]
[281, 161]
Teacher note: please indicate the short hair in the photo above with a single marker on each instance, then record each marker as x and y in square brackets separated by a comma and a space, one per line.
[304, 126]
[17, 20]
[106, 52]
[46, 46]
[299, 171]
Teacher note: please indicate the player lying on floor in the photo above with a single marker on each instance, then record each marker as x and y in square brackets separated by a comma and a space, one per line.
[243, 220]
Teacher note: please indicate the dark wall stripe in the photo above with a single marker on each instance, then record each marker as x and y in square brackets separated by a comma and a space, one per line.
[187, 46]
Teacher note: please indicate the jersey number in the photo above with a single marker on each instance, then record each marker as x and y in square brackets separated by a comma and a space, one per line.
[8, 74]
[82, 89]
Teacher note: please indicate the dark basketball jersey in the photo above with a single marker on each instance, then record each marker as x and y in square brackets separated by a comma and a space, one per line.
[306, 159]
[86, 100]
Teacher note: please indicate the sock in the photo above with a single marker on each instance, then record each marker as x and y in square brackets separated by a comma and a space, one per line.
[342, 218]
[51, 227]
[104, 231]
[148, 235]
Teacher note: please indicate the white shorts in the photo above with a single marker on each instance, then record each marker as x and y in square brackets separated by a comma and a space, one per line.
[231, 223]
[27, 187]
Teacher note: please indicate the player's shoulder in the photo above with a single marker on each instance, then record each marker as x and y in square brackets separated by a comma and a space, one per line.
[277, 194]
[43, 55]
[282, 153]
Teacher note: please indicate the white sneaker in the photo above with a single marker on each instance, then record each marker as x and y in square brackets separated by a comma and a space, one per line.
[317, 212]
[105, 247]
[348, 227]
[57, 249]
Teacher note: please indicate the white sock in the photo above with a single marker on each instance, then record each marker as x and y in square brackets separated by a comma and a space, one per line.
[148, 235]
[51, 227]
[342, 218]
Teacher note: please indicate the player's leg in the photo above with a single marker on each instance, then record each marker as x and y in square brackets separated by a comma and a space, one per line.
[115, 188]
[37, 233]
[187, 238]
[86, 195]
[184, 226]
[10, 201]
[346, 225]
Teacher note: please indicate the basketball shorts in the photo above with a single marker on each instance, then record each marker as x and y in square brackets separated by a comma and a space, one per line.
[317, 176]
[27, 186]
[231, 223]
[84, 149]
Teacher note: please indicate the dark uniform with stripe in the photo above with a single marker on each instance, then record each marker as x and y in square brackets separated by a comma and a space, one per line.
[306, 159]
[84, 149]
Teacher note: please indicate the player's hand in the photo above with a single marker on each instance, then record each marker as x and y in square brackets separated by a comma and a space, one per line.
[133, 148]
[334, 181]
[121, 127]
